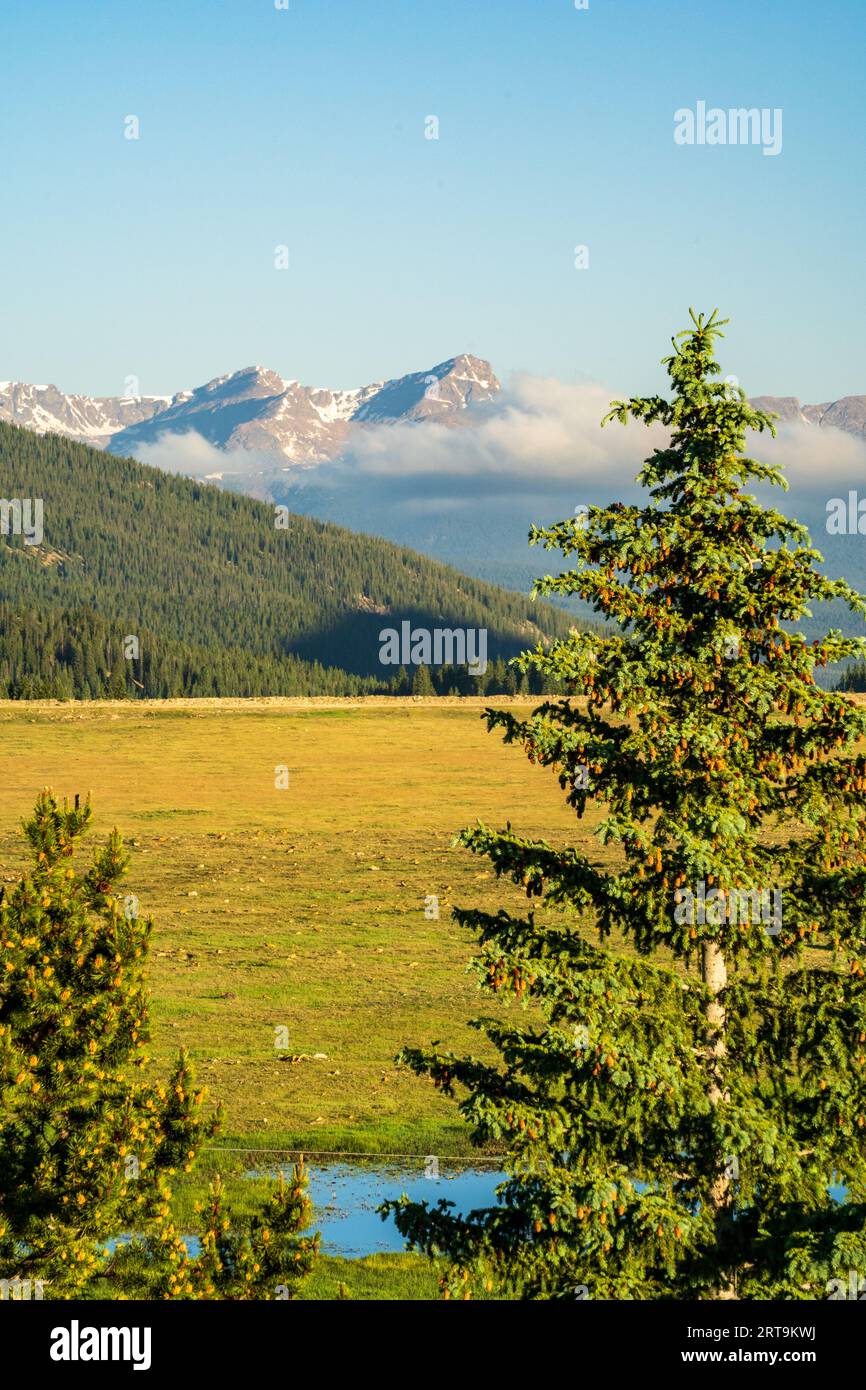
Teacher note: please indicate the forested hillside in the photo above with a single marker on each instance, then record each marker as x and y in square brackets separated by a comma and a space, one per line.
[221, 600]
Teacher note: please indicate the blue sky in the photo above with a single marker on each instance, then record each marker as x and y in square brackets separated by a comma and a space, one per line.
[260, 127]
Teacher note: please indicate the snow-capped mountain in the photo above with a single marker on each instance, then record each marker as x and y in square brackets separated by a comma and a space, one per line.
[89, 419]
[254, 410]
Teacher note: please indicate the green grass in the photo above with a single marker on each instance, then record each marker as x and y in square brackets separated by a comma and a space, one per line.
[301, 908]
[395, 1277]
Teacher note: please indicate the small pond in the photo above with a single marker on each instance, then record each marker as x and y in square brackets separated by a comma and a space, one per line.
[345, 1198]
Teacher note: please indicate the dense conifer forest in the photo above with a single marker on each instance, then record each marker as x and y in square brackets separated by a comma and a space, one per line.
[145, 584]
[853, 678]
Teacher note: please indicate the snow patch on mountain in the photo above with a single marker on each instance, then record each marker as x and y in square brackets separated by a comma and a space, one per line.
[253, 411]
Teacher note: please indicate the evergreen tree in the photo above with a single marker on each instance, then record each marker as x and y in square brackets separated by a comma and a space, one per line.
[115, 688]
[87, 1146]
[421, 682]
[443, 678]
[265, 1259]
[677, 1114]
[853, 677]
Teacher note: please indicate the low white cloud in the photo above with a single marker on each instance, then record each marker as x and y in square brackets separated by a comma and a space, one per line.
[813, 458]
[544, 430]
[540, 430]
[195, 457]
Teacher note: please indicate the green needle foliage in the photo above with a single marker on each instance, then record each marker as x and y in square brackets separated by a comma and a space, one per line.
[88, 1147]
[267, 1261]
[676, 1118]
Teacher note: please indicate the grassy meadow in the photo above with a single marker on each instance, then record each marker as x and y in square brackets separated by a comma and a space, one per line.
[300, 908]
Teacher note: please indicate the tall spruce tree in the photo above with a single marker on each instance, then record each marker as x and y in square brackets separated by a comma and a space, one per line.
[677, 1112]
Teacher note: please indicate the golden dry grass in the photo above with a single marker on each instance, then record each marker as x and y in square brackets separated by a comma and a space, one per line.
[301, 908]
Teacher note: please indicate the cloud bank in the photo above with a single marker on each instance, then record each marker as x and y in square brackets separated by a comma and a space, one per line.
[541, 430]
[814, 458]
[195, 457]
[544, 431]
[540, 435]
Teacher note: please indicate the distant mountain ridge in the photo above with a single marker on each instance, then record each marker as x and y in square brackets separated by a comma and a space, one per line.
[285, 425]
[848, 413]
[88, 419]
[254, 409]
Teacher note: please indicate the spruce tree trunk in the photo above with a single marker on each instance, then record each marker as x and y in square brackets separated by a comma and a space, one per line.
[715, 975]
